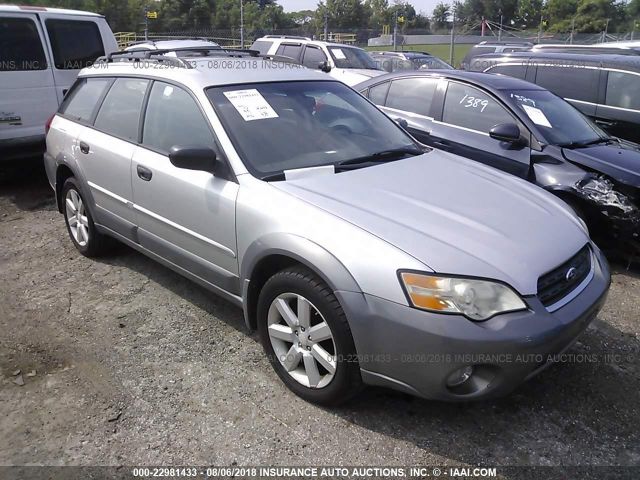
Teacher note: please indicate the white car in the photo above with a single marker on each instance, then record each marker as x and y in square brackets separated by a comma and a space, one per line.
[176, 45]
[41, 52]
[349, 64]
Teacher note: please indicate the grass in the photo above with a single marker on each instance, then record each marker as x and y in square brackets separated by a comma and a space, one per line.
[441, 51]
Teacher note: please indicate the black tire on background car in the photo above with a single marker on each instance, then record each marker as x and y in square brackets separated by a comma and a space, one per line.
[77, 217]
[307, 338]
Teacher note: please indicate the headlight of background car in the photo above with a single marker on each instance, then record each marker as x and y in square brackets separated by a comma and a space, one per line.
[475, 299]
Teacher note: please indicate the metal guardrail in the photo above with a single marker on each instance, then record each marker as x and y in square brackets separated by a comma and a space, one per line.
[126, 39]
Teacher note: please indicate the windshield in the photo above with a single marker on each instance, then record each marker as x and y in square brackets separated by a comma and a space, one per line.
[346, 57]
[428, 63]
[290, 125]
[558, 121]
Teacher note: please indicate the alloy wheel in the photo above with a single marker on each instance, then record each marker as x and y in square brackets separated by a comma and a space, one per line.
[302, 340]
[77, 217]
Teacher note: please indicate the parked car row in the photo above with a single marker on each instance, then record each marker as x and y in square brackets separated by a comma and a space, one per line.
[360, 255]
[527, 131]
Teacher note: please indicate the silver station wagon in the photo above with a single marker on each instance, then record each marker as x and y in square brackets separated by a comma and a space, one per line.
[360, 256]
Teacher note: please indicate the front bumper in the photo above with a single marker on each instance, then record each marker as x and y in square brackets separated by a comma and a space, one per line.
[415, 351]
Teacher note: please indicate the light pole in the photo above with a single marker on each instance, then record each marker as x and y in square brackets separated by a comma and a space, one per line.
[500, 31]
[453, 34]
[241, 24]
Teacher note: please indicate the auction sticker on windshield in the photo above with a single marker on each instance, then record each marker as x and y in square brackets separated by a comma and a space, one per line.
[537, 116]
[251, 105]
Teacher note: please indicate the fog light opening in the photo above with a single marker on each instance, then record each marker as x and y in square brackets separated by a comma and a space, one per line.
[460, 376]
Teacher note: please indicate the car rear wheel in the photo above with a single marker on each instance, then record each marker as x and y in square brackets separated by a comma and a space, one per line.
[306, 336]
[79, 221]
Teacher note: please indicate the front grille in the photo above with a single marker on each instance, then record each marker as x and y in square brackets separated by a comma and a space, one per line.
[558, 283]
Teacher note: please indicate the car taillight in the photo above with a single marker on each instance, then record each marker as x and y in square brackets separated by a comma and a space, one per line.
[47, 125]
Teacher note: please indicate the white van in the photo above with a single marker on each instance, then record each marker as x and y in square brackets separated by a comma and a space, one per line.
[41, 52]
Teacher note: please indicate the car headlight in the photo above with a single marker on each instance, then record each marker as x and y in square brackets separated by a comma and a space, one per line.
[475, 299]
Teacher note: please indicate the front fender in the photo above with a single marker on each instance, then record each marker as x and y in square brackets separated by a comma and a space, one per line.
[302, 250]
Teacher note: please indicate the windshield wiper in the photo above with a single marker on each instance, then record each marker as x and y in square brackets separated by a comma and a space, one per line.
[590, 142]
[381, 157]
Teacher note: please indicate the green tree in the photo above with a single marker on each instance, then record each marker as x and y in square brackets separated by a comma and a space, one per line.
[341, 13]
[440, 15]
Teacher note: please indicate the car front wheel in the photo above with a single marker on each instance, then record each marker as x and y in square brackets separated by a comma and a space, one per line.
[306, 336]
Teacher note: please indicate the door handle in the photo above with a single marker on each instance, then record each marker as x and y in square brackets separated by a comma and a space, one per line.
[144, 173]
[84, 147]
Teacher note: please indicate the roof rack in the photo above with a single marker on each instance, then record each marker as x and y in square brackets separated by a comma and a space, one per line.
[160, 55]
[289, 37]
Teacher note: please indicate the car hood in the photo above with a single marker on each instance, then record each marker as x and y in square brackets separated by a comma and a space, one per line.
[620, 161]
[353, 76]
[453, 215]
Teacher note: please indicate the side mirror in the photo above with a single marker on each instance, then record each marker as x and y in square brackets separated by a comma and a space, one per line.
[505, 132]
[194, 158]
[402, 122]
[324, 66]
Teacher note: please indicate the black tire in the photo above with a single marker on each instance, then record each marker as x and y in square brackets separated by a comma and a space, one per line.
[97, 244]
[347, 380]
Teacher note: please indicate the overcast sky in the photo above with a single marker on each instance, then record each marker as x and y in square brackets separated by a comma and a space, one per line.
[425, 6]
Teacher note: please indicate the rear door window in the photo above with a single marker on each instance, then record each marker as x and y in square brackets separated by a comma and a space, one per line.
[20, 45]
[412, 95]
[623, 90]
[313, 56]
[119, 114]
[83, 97]
[173, 118]
[574, 82]
[378, 93]
[76, 44]
[261, 46]
[290, 50]
[468, 107]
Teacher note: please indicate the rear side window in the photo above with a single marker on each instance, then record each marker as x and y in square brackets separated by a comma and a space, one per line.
[577, 82]
[289, 50]
[75, 44]
[119, 114]
[173, 118]
[623, 90]
[378, 93]
[20, 46]
[412, 95]
[517, 71]
[82, 99]
[313, 57]
[468, 107]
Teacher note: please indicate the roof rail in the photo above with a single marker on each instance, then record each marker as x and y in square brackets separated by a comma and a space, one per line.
[289, 37]
[137, 56]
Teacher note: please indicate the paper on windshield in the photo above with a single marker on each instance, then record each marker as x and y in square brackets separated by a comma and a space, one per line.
[537, 116]
[338, 53]
[251, 105]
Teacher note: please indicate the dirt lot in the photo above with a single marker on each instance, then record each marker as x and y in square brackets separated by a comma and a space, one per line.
[136, 365]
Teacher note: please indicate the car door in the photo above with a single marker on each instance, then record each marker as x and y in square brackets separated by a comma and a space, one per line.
[290, 50]
[313, 57]
[576, 83]
[468, 114]
[75, 43]
[106, 149]
[620, 112]
[27, 90]
[185, 216]
[410, 99]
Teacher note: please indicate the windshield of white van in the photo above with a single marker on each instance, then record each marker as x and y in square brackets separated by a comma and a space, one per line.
[291, 125]
[346, 57]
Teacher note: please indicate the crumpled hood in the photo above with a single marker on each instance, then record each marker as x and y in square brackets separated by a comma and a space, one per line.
[619, 161]
[453, 215]
[353, 76]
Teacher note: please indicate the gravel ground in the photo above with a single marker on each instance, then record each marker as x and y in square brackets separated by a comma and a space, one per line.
[136, 365]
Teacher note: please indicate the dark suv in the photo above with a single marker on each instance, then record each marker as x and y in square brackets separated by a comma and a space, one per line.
[604, 87]
[486, 47]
